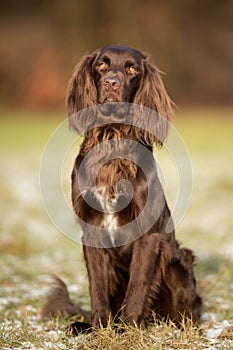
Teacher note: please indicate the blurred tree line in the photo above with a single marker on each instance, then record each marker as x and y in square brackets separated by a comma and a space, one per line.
[41, 41]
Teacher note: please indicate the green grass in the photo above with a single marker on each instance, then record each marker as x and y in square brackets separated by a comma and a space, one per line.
[31, 247]
[30, 129]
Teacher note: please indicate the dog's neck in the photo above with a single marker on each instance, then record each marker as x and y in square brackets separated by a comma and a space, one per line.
[107, 132]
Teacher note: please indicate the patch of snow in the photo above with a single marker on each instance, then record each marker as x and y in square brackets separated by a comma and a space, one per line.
[74, 288]
[209, 316]
[214, 333]
[228, 249]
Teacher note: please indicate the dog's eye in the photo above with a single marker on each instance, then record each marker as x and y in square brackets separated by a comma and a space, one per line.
[103, 65]
[131, 70]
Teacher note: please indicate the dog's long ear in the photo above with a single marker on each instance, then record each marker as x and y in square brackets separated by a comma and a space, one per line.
[152, 94]
[81, 90]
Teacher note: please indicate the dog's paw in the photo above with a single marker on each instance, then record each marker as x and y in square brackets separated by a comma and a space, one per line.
[77, 327]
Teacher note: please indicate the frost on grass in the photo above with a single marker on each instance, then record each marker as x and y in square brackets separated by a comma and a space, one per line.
[21, 327]
[31, 250]
[214, 333]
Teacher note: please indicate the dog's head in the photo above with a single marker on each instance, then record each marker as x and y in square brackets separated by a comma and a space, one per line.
[119, 74]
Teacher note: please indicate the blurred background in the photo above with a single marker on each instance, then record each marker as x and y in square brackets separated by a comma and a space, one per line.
[41, 41]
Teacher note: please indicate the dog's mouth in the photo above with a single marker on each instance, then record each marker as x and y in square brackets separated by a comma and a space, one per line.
[111, 99]
[111, 105]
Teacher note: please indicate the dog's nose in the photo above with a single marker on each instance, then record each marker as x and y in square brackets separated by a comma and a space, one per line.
[112, 82]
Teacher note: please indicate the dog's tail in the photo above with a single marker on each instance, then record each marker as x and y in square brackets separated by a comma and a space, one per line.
[58, 302]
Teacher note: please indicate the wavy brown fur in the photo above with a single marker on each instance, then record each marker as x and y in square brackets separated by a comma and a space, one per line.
[131, 275]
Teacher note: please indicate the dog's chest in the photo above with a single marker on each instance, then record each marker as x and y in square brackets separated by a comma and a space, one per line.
[110, 223]
[108, 203]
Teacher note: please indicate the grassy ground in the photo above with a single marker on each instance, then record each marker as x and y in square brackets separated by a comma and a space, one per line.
[31, 248]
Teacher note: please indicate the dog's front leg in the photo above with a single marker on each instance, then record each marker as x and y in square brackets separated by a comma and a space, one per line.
[151, 257]
[97, 261]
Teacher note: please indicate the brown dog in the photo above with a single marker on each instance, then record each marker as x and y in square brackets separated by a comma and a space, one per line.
[135, 265]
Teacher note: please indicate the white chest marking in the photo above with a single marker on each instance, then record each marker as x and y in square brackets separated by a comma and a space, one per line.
[110, 222]
[110, 218]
